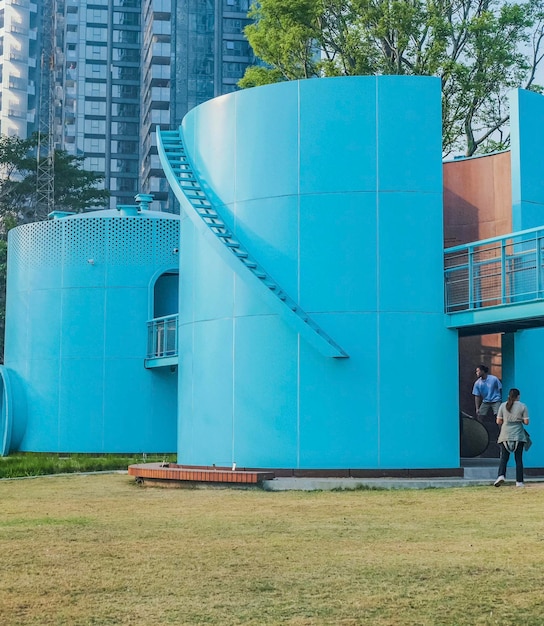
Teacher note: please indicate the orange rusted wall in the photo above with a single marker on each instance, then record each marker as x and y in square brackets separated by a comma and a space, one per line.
[477, 198]
[477, 205]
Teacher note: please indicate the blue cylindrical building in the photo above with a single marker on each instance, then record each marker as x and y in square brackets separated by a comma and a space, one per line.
[335, 187]
[81, 290]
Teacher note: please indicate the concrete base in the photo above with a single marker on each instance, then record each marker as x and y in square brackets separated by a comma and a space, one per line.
[329, 484]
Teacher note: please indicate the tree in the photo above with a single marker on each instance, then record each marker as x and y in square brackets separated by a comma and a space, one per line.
[480, 49]
[75, 190]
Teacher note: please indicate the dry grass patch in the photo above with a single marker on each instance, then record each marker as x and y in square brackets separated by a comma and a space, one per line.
[86, 550]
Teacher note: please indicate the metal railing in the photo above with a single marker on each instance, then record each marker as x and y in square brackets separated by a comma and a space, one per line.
[162, 337]
[493, 272]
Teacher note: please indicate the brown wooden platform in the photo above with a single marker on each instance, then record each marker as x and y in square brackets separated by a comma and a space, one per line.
[172, 473]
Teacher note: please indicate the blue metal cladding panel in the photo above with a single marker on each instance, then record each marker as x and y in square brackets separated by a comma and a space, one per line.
[40, 379]
[187, 269]
[508, 373]
[344, 209]
[163, 429]
[124, 341]
[78, 305]
[515, 159]
[185, 437]
[523, 357]
[271, 170]
[527, 138]
[265, 381]
[274, 222]
[17, 341]
[49, 302]
[208, 439]
[211, 278]
[203, 281]
[339, 404]
[346, 274]
[84, 335]
[524, 367]
[339, 132]
[410, 255]
[245, 302]
[120, 434]
[427, 417]
[80, 421]
[409, 134]
[215, 138]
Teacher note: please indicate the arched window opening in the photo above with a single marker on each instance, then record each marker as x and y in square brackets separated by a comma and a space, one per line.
[165, 295]
[163, 328]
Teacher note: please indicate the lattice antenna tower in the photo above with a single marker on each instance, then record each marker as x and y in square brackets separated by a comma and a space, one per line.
[45, 153]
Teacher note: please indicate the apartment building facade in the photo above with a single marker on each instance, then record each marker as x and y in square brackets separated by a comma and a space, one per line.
[192, 51]
[115, 70]
[20, 58]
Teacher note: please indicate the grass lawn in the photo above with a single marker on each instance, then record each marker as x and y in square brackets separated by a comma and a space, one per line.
[97, 550]
[42, 464]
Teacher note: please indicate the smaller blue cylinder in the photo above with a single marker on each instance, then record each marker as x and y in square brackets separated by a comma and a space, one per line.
[80, 293]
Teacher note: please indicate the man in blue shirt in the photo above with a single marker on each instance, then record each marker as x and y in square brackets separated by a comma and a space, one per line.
[487, 392]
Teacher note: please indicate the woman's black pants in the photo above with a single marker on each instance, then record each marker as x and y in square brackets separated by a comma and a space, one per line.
[518, 456]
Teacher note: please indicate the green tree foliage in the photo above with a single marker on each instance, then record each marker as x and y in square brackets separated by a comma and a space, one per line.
[479, 48]
[75, 189]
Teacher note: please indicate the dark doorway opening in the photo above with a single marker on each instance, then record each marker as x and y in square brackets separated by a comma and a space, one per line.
[166, 294]
[486, 349]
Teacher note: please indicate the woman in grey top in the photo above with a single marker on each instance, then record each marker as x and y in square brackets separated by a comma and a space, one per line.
[512, 417]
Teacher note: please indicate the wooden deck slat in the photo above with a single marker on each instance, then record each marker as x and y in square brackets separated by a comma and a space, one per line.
[174, 472]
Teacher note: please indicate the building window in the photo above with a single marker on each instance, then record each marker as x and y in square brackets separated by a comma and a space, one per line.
[95, 107]
[97, 15]
[95, 89]
[96, 34]
[236, 48]
[95, 164]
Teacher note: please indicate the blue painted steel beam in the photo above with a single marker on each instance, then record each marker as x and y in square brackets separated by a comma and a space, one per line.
[504, 318]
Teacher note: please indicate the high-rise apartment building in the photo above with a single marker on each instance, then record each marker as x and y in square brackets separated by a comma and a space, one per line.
[118, 69]
[19, 64]
[192, 51]
[98, 107]
[156, 94]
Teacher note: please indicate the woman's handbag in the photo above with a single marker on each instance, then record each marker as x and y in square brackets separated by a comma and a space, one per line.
[528, 443]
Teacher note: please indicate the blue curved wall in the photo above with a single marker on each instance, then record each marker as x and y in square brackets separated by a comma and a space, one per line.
[335, 186]
[80, 294]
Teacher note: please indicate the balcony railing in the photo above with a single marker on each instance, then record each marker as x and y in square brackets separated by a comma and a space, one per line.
[494, 272]
[162, 337]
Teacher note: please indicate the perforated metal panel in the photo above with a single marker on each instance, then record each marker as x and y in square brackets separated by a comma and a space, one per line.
[83, 239]
[165, 239]
[37, 244]
[127, 241]
[130, 242]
